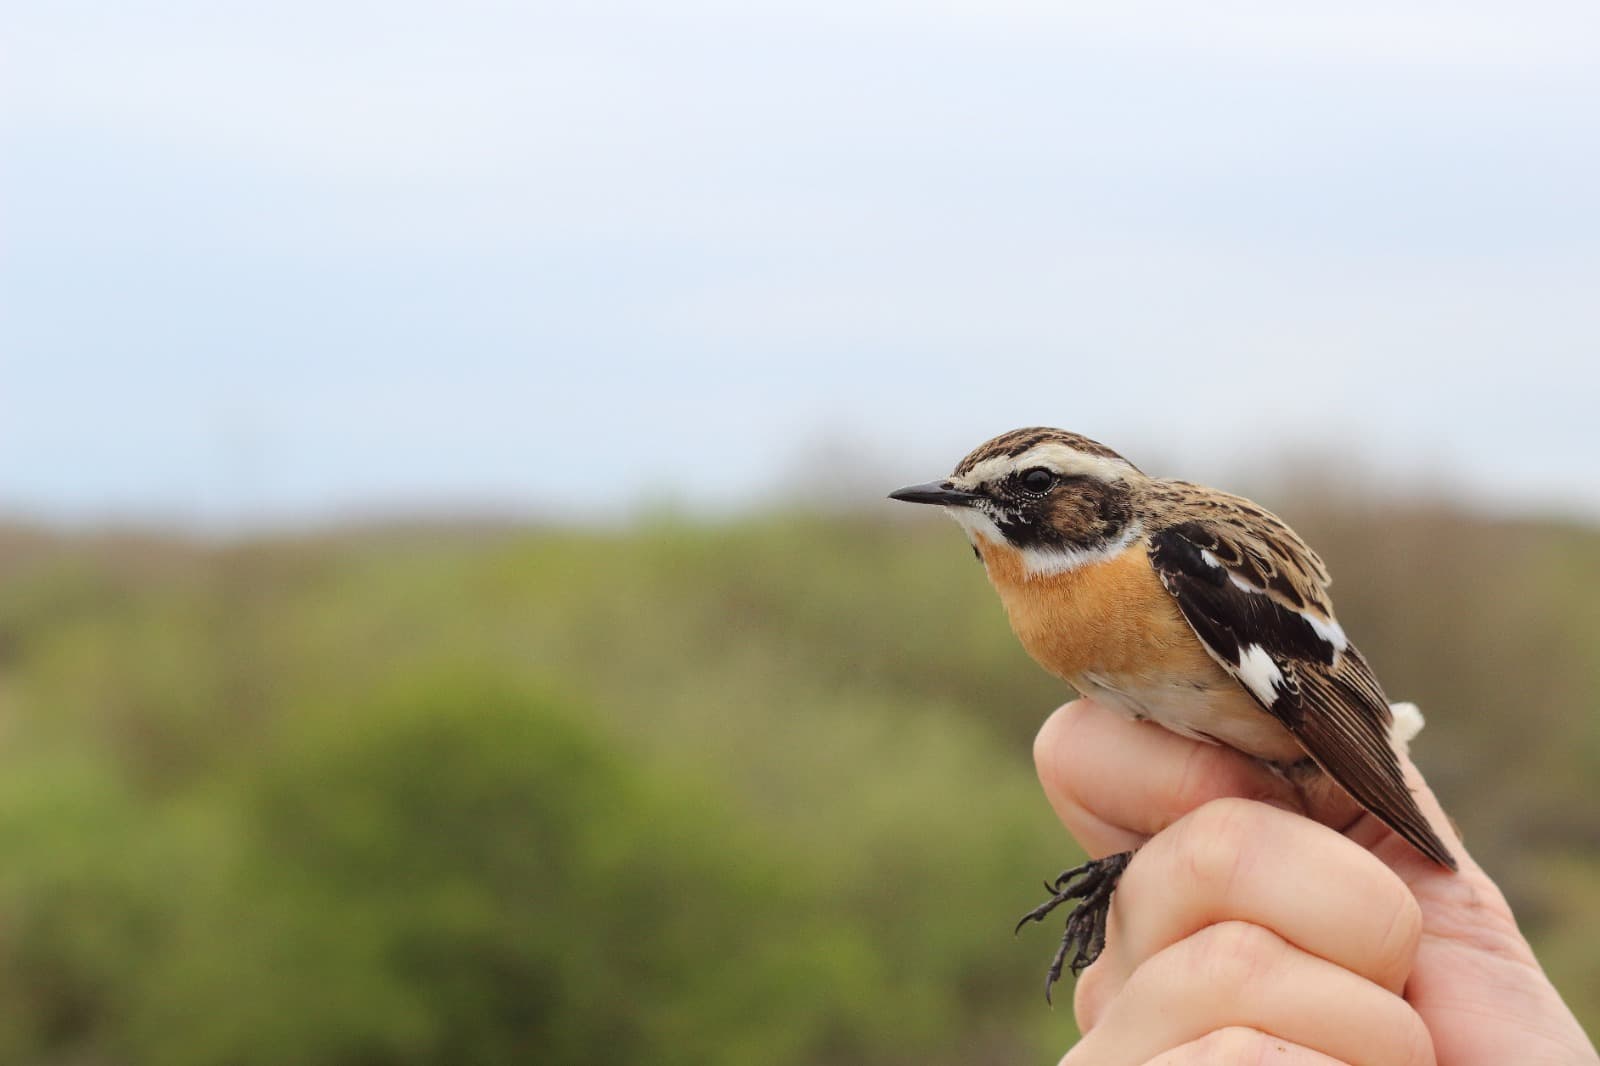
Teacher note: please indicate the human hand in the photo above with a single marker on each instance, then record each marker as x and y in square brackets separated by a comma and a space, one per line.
[1243, 930]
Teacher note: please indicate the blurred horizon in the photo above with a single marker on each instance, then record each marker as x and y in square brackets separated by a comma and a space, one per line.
[824, 479]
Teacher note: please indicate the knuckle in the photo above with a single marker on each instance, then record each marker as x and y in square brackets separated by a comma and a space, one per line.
[1233, 955]
[1227, 959]
[1234, 1045]
[1212, 843]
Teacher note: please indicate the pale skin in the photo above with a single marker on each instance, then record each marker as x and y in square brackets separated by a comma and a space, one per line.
[1244, 932]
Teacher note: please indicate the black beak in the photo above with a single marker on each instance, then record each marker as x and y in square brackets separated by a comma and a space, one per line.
[939, 492]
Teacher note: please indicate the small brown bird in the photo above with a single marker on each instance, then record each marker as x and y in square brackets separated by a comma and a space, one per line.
[1182, 605]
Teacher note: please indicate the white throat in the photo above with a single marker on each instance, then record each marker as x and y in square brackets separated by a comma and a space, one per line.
[1042, 562]
[1047, 562]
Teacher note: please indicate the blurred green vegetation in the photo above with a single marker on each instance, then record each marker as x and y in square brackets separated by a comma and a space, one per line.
[748, 792]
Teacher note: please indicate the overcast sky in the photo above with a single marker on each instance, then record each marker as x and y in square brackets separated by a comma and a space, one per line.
[320, 259]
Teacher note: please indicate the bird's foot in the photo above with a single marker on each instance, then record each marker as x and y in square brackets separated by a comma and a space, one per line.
[1085, 936]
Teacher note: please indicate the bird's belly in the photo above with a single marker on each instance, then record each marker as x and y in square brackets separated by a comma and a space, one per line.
[1215, 709]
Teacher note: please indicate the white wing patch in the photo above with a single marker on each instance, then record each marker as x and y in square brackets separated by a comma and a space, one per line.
[1330, 631]
[1260, 674]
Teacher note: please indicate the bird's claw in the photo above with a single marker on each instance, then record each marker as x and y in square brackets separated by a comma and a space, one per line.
[1085, 935]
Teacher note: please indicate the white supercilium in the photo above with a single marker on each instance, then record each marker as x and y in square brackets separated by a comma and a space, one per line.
[1052, 455]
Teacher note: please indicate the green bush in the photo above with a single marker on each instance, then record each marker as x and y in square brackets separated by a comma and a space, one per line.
[460, 872]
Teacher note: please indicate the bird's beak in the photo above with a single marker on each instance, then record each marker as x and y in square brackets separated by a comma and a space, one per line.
[939, 492]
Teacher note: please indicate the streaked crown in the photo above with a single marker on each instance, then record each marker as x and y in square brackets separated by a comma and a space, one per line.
[1020, 441]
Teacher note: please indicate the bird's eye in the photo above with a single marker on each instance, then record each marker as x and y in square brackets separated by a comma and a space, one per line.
[1038, 479]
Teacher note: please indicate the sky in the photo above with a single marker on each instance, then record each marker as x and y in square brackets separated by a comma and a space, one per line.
[298, 262]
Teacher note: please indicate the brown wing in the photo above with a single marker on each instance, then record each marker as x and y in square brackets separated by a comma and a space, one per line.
[1255, 596]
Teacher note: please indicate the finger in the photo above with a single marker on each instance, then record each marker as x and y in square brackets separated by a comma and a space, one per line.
[1243, 861]
[1115, 783]
[1237, 1044]
[1239, 974]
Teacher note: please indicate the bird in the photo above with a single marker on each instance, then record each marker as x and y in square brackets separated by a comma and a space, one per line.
[1182, 605]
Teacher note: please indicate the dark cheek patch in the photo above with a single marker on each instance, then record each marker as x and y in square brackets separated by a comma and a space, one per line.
[1080, 513]
[1072, 517]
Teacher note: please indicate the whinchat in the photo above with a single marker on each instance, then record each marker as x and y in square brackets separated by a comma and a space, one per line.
[1184, 606]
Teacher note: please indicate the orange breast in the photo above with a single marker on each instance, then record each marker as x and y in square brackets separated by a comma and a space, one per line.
[1112, 618]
